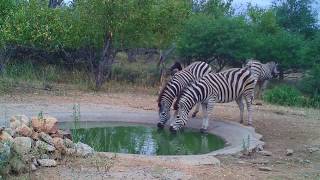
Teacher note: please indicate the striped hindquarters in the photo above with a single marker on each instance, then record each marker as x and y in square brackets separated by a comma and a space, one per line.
[222, 87]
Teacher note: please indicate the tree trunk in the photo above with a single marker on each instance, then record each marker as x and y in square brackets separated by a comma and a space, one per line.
[103, 67]
[163, 56]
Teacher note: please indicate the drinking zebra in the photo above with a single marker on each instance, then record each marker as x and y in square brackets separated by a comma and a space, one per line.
[264, 72]
[176, 84]
[233, 84]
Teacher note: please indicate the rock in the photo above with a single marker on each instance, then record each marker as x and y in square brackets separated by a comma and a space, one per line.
[33, 167]
[17, 120]
[18, 166]
[24, 130]
[289, 152]
[68, 143]
[265, 168]
[56, 155]
[44, 156]
[59, 144]
[307, 161]
[22, 145]
[35, 162]
[10, 131]
[44, 147]
[47, 162]
[65, 134]
[5, 152]
[4, 136]
[313, 149]
[35, 136]
[265, 153]
[48, 124]
[70, 151]
[83, 150]
[46, 138]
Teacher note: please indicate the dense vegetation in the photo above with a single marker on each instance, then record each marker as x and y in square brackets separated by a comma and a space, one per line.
[92, 42]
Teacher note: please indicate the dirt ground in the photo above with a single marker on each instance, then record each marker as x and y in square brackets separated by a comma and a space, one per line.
[282, 128]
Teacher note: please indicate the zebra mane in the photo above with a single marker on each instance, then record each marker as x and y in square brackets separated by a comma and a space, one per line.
[176, 65]
[161, 93]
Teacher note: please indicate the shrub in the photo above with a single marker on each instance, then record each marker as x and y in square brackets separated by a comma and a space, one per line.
[311, 83]
[284, 95]
[290, 96]
[137, 73]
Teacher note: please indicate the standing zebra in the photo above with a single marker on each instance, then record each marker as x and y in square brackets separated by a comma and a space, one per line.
[176, 84]
[227, 86]
[264, 73]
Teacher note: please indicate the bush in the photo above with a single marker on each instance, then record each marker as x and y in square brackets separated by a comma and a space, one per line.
[284, 95]
[135, 73]
[311, 83]
[290, 96]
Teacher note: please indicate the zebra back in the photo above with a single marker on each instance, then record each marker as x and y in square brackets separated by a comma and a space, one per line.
[223, 87]
[181, 79]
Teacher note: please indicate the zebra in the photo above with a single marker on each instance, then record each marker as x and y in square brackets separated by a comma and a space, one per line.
[263, 73]
[176, 84]
[233, 84]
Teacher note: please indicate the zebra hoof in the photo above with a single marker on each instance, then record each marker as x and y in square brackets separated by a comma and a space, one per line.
[203, 130]
[241, 122]
[160, 125]
[173, 130]
[194, 115]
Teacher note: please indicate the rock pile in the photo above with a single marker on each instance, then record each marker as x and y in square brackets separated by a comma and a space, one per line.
[29, 144]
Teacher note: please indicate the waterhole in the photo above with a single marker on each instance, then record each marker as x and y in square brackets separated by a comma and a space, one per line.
[147, 140]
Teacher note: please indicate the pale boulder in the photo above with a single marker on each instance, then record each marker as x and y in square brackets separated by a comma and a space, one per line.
[22, 145]
[24, 130]
[47, 162]
[18, 120]
[46, 138]
[43, 146]
[47, 124]
[59, 144]
[4, 136]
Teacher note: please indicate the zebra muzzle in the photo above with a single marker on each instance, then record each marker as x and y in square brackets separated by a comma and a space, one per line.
[160, 125]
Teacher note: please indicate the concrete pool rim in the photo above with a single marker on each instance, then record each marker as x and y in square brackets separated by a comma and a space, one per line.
[234, 134]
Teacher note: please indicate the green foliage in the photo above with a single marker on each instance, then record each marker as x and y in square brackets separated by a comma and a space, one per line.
[290, 96]
[215, 8]
[136, 73]
[283, 47]
[204, 37]
[296, 16]
[284, 95]
[311, 83]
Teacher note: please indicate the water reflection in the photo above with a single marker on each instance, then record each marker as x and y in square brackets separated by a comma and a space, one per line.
[147, 140]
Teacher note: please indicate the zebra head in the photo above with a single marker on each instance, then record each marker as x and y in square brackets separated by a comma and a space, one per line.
[164, 113]
[181, 119]
[274, 68]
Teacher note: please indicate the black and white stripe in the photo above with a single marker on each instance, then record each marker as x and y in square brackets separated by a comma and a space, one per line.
[176, 84]
[233, 84]
[263, 73]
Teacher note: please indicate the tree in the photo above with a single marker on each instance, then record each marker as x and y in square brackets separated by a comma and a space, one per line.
[225, 40]
[296, 16]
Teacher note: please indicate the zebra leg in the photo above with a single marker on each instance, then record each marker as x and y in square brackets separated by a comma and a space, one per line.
[263, 87]
[248, 99]
[194, 114]
[241, 108]
[206, 107]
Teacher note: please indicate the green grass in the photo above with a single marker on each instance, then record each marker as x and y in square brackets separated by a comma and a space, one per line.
[290, 96]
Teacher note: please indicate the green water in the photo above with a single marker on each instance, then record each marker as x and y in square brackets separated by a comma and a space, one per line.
[147, 140]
